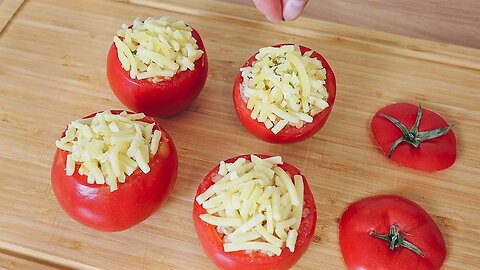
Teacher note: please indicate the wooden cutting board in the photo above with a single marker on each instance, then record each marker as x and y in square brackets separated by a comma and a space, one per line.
[52, 70]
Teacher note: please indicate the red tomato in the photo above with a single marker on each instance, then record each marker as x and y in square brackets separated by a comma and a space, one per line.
[212, 241]
[134, 201]
[430, 155]
[289, 134]
[377, 215]
[164, 98]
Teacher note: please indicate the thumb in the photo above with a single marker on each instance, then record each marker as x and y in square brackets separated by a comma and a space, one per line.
[293, 8]
[272, 9]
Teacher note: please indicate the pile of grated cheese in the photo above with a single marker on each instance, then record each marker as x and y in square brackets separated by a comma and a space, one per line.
[284, 87]
[156, 48]
[255, 204]
[109, 147]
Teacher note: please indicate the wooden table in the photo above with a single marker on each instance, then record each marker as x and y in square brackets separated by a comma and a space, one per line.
[52, 70]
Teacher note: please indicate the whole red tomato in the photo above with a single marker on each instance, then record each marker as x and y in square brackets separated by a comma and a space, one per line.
[212, 241]
[163, 99]
[289, 134]
[392, 233]
[425, 142]
[134, 201]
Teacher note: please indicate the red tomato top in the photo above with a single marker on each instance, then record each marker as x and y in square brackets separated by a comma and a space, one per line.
[212, 241]
[431, 155]
[289, 134]
[362, 251]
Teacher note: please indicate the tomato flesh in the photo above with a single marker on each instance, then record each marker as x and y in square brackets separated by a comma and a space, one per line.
[289, 134]
[161, 99]
[135, 200]
[362, 251]
[432, 155]
[212, 241]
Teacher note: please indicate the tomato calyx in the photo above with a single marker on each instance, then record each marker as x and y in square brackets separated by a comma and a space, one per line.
[413, 136]
[396, 240]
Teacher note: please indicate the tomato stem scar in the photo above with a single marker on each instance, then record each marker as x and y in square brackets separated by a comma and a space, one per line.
[413, 136]
[396, 239]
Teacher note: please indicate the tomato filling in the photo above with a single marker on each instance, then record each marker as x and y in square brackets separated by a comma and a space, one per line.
[284, 87]
[157, 48]
[108, 147]
[255, 205]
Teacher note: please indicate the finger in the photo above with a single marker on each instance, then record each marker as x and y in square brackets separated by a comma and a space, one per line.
[272, 9]
[293, 8]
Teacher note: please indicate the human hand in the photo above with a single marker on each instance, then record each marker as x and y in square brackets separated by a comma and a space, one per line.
[277, 10]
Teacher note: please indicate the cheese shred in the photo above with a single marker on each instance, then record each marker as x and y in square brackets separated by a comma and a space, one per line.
[256, 205]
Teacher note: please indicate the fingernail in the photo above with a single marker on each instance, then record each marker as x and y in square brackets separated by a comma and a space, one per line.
[292, 9]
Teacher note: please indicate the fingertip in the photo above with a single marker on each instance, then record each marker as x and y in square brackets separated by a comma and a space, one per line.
[272, 9]
[290, 16]
[293, 8]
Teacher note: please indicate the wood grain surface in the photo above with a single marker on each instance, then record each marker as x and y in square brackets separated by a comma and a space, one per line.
[456, 22]
[14, 262]
[52, 71]
[7, 11]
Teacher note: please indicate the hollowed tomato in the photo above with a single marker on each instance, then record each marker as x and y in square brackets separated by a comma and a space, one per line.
[289, 134]
[160, 99]
[212, 241]
[135, 200]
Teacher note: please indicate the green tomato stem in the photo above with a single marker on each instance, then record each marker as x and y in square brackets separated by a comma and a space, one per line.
[413, 136]
[395, 239]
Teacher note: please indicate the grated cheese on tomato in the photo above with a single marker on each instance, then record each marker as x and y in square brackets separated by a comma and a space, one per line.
[284, 87]
[156, 48]
[255, 204]
[109, 147]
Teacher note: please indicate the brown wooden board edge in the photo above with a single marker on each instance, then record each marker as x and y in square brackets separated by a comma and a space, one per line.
[40, 258]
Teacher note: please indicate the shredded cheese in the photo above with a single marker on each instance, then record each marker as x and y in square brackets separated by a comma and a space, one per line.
[264, 246]
[255, 204]
[108, 147]
[284, 87]
[156, 48]
[291, 239]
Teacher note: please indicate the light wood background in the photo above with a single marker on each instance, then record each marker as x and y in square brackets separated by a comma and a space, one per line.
[52, 70]
[7, 11]
[448, 21]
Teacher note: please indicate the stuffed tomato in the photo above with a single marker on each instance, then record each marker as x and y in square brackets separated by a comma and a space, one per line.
[113, 169]
[284, 93]
[157, 66]
[254, 212]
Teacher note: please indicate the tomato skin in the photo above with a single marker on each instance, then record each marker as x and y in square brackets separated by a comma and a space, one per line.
[432, 155]
[288, 134]
[361, 251]
[212, 241]
[134, 201]
[162, 99]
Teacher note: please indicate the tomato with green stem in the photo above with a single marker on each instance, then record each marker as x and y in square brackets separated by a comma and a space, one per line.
[390, 232]
[429, 144]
